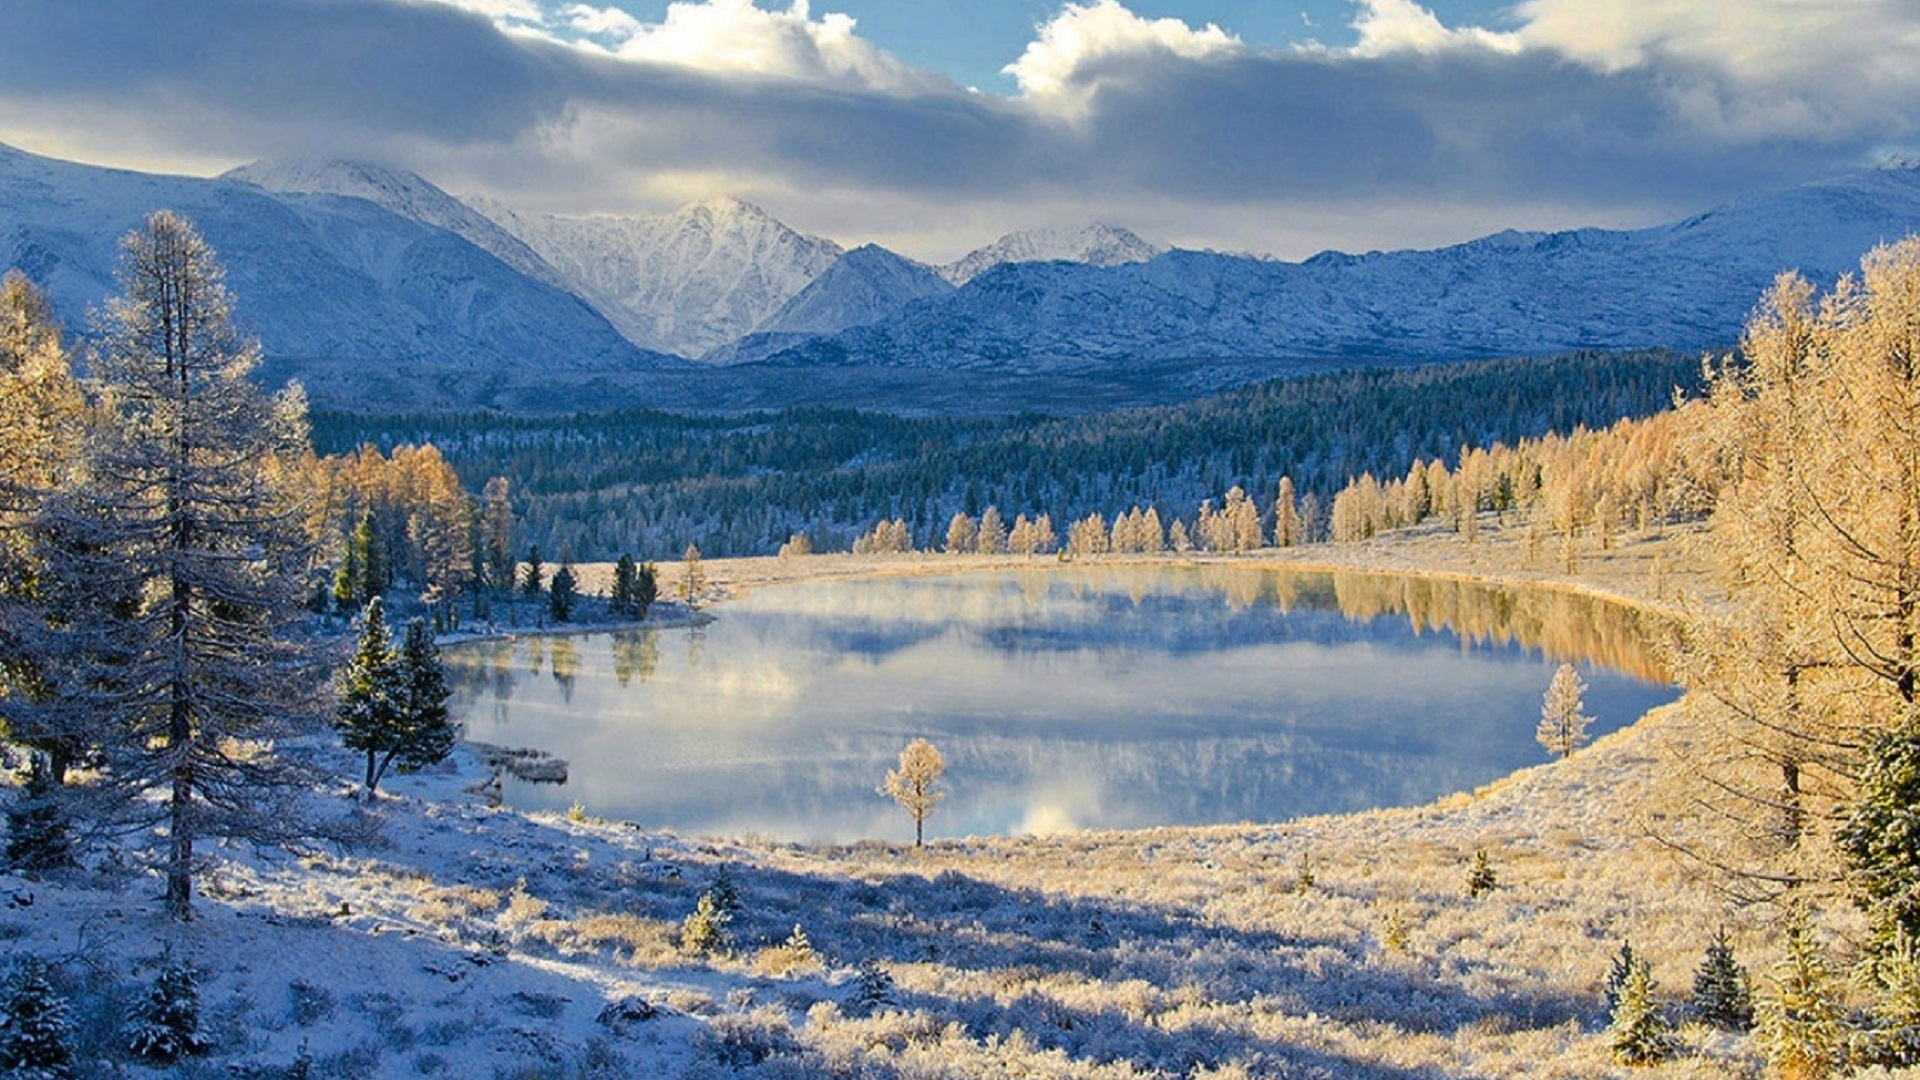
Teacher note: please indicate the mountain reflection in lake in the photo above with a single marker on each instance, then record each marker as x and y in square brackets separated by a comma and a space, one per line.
[1069, 697]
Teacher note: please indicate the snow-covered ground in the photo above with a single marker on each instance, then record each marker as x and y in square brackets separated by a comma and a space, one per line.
[476, 941]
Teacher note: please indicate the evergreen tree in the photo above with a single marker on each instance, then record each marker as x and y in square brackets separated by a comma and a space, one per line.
[704, 932]
[496, 524]
[1618, 972]
[428, 730]
[393, 702]
[872, 989]
[1481, 878]
[189, 536]
[166, 1027]
[372, 693]
[1894, 1039]
[533, 581]
[561, 594]
[1639, 1033]
[1720, 993]
[1881, 835]
[1798, 1021]
[646, 589]
[1563, 726]
[624, 599]
[726, 895]
[39, 830]
[35, 1029]
[368, 555]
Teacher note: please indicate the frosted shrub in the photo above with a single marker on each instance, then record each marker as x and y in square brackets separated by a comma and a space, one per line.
[794, 954]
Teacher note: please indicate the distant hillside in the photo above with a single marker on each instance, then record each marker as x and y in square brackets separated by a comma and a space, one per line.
[1685, 285]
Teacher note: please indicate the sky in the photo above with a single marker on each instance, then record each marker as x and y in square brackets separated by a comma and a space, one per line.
[1277, 126]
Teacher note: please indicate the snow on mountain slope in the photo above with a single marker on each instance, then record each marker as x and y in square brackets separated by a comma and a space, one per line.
[863, 286]
[368, 308]
[1095, 245]
[404, 193]
[686, 282]
[1686, 285]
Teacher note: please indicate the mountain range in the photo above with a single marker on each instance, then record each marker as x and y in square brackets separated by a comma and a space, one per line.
[380, 290]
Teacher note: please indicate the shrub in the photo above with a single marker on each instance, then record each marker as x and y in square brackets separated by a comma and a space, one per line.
[35, 1030]
[1480, 876]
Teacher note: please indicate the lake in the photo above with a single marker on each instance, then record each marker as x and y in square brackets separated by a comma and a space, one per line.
[1062, 697]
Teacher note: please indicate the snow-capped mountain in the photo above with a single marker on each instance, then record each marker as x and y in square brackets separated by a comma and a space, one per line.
[686, 282]
[1690, 284]
[364, 306]
[1095, 245]
[863, 286]
[407, 194]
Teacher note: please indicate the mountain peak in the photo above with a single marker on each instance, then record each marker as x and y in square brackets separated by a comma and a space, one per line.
[1095, 245]
[329, 176]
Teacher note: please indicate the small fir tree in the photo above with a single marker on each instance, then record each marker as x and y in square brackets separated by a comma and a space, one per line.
[726, 895]
[561, 594]
[1617, 974]
[35, 1029]
[1563, 726]
[428, 731]
[872, 989]
[798, 947]
[1720, 993]
[166, 1027]
[1481, 878]
[39, 831]
[1798, 1021]
[646, 589]
[1893, 1040]
[704, 932]
[1640, 1035]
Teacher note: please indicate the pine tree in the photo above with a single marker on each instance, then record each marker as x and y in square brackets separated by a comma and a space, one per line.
[1720, 993]
[646, 589]
[1617, 973]
[372, 693]
[166, 1027]
[533, 581]
[704, 932]
[726, 895]
[1639, 1033]
[35, 1030]
[39, 830]
[872, 989]
[428, 730]
[1563, 726]
[189, 538]
[1798, 1021]
[1881, 836]
[1481, 878]
[625, 583]
[1894, 1039]
[562, 594]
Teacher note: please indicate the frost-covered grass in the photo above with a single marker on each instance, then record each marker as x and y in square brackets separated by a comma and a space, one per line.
[484, 942]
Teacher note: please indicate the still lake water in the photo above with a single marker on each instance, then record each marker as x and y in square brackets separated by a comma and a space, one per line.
[1063, 697]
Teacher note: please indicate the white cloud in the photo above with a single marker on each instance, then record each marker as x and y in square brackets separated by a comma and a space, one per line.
[1060, 65]
[1751, 68]
[1399, 26]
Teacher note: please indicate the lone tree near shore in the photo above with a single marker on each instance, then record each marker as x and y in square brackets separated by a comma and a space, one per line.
[393, 701]
[1563, 726]
[912, 785]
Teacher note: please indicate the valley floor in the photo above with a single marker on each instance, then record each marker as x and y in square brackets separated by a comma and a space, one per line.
[477, 941]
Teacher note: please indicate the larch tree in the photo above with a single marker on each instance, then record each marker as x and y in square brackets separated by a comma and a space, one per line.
[187, 527]
[496, 527]
[1563, 723]
[915, 784]
[1286, 516]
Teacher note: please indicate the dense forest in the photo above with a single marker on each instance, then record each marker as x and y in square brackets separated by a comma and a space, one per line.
[650, 482]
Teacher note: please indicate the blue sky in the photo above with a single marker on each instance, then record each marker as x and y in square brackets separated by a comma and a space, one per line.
[932, 126]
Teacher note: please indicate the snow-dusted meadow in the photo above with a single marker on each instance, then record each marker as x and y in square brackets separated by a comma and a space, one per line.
[475, 941]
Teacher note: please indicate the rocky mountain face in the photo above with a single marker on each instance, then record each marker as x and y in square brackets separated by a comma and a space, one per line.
[687, 282]
[1095, 245]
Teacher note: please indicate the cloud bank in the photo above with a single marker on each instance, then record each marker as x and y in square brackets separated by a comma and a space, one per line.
[1582, 111]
